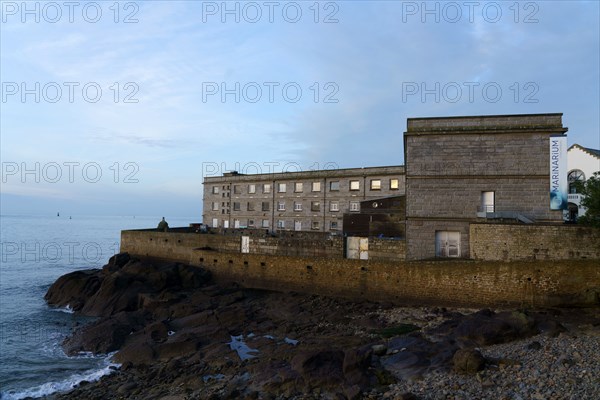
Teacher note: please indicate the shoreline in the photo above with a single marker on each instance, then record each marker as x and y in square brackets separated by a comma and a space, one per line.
[187, 342]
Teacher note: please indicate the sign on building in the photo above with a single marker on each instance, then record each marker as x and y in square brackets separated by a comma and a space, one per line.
[558, 173]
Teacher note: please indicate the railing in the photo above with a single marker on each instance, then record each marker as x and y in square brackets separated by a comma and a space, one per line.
[491, 212]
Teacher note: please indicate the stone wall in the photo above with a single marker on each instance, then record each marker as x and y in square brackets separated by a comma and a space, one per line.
[451, 161]
[461, 282]
[444, 282]
[178, 245]
[509, 242]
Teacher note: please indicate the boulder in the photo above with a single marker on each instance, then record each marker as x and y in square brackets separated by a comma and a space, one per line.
[468, 361]
[74, 289]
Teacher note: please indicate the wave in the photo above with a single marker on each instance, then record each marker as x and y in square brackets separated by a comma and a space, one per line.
[64, 385]
[68, 309]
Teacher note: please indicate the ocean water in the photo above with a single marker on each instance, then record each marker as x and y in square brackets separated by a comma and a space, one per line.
[35, 251]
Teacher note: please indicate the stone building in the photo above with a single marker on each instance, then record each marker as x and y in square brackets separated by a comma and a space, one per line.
[301, 201]
[582, 163]
[461, 170]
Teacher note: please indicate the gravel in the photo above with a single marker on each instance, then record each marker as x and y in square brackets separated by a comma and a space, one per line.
[538, 367]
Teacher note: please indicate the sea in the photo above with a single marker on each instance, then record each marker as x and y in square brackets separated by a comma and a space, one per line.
[35, 251]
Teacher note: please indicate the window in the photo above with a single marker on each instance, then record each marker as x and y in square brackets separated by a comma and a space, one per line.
[237, 189]
[354, 185]
[334, 186]
[316, 186]
[334, 206]
[375, 184]
[251, 222]
[267, 188]
[265, 206]
[281, 206]
[487, 202]
[298, 187]
[265, 223]
[394, 184]
[252, 188]
[297, 206]
[250, 206]
[354, 206]
[315, 225]
[215, 206]
[333, 225]
[236, 206]
[575, 178]
[215, 190]
[281, 224]
[281, 188]
[315, 206]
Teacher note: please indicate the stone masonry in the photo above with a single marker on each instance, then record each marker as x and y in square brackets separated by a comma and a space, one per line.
[451, 161]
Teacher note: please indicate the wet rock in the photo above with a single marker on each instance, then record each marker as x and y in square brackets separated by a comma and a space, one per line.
[74, 289]
[103, 336]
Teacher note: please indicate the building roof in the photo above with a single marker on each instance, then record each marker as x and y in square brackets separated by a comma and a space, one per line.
[592, 152]
[511, 123]
[234, 176]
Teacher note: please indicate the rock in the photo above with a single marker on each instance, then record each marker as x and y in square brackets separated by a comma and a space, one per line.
[468, 361]
[535, 345]
[74, 289]
[379, 349]
[320, 367]
[127, 388]
[103, 336]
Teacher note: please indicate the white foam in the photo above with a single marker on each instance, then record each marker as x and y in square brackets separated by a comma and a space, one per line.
[61, 386]
[68, 309]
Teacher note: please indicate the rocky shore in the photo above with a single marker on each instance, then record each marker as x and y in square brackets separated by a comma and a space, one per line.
[178, 335]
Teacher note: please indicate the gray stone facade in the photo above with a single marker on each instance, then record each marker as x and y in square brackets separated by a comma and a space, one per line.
[307, 201]
[451, 162]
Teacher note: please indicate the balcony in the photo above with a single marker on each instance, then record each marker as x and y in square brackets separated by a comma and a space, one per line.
[492, 212]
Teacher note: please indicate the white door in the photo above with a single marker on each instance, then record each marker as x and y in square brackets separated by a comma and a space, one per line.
[357, 248]
[225, 224]
[447, 244]
[236, 223]
[363, 248]
[352, 247]
[245, 244]
[297, 225]
[215, 223]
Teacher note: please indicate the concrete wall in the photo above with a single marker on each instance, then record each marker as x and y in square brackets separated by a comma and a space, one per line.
[528, 242]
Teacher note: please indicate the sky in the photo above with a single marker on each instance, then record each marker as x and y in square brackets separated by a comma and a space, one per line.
[122, 108]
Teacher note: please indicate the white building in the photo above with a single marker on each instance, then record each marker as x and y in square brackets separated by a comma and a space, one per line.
[582, 163]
